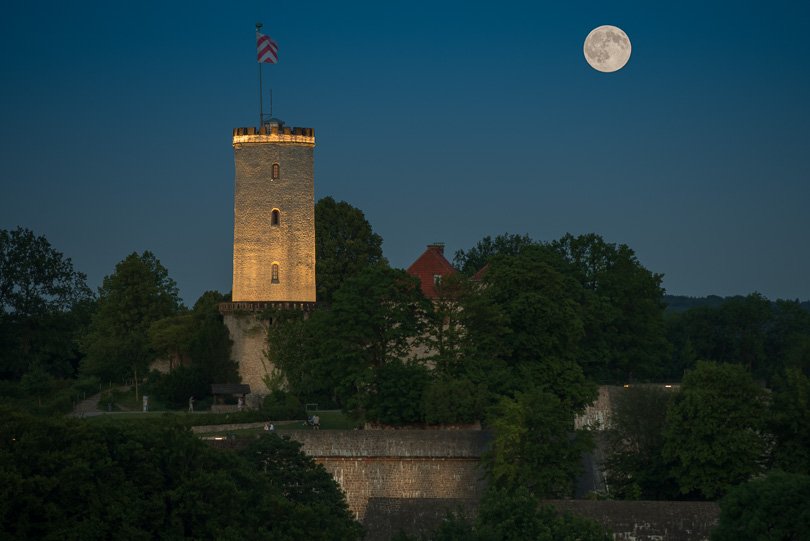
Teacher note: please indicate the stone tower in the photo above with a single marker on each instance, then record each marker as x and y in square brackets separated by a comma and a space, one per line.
[273, 238]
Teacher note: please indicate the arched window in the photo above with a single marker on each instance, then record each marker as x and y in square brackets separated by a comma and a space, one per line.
[276, 172]
[275, 217]
[274, 273]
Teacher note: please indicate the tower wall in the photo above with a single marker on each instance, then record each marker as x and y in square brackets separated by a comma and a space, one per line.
[262, 240]
[258, 242]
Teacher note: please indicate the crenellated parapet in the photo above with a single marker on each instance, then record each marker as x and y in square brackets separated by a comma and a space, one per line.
[274, 133]
[261, 306]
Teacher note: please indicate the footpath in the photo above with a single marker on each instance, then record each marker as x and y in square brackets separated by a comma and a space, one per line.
[89, 406]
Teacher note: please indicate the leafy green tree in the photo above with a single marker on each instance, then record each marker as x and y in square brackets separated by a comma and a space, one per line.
[789, 422]
[344, 245]
[622, 311]
[397, 395]
[453, 400]
[35, 278]
[771, 507]
[136, 295]
[762, 336]
[44, 304]
[635, 465]
[471, 261]
[516, 515]
[375, 319]
[313, 493]
[714, 430]
[787, 343]
[201, 338]
[524, 328]
[68, 479]
[535, 445]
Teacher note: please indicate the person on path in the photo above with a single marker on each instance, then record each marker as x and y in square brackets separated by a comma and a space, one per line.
[191, 404]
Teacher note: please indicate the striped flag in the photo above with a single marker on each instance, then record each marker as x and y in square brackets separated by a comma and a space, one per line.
[267, 49]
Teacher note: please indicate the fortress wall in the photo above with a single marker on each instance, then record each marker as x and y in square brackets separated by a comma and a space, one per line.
[647, 520]
[249, 350]
[409, 480]
[399, 464]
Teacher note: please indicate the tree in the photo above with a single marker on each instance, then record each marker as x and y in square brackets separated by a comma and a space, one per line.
[516, 515]
[136, 295]
[762, 336]
[315, 495]
[714, 430]
[535, 445]
[635, 465]
[69, 479]
[478, 256]
[376, 317]
[397, 395]
[200, 338]
[771, 507]
[344, 245]
[44, 304]
[524, 328]
[622, 310]
[789, 422]
[36, 279]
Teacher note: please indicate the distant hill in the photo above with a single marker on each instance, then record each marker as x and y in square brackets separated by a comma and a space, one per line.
[682, 303]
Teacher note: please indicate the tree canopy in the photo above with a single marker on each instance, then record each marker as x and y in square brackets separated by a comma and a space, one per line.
[770, 507]
[133, 297]
[344, 245]
[623, 309]
[70, 479]
[471, 261]
[44, 304]
[200, 343]
[714, 434]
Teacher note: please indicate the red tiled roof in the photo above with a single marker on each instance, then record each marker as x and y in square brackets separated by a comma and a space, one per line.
[431, 263]
[479, 276]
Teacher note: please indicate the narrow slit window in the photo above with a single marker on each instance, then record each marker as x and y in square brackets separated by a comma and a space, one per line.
[274, 273]
[275, 217]
[276, 173]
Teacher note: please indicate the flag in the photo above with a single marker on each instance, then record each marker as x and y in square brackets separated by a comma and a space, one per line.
[267, 49]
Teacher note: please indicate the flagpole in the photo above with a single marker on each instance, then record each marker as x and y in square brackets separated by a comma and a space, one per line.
[261, 105]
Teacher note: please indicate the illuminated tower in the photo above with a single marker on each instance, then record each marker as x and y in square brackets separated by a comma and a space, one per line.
[273, 239]
[274, 214]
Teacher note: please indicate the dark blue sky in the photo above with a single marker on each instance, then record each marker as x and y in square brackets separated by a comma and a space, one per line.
[442, 121]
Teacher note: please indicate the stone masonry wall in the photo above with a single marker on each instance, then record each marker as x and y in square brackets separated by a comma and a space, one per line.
[646, 520]
[249, 350]
[258, 243]
[399, 464]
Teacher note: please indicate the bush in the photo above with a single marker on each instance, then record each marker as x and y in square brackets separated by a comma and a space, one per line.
[397, 396]
[772, 507]
[452, 401]
[282, 406]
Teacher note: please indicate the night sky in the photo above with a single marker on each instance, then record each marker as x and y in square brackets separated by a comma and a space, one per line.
[442, 121]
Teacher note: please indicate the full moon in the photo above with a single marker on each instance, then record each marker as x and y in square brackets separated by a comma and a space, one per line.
[607, 48]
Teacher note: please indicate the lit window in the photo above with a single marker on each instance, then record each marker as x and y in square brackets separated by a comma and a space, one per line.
[274, 218]
[274, 273]
[276, 172]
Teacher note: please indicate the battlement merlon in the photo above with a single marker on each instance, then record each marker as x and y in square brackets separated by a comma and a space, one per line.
[272, 133]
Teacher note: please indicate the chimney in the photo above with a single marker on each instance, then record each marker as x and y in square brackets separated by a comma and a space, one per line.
[437, 246]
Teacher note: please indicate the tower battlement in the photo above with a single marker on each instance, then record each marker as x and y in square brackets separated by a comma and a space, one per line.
[274, 133]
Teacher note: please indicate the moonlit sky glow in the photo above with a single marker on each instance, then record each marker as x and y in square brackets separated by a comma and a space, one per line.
[442, 121]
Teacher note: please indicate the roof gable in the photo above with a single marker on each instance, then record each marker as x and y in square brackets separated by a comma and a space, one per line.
[427, 266]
